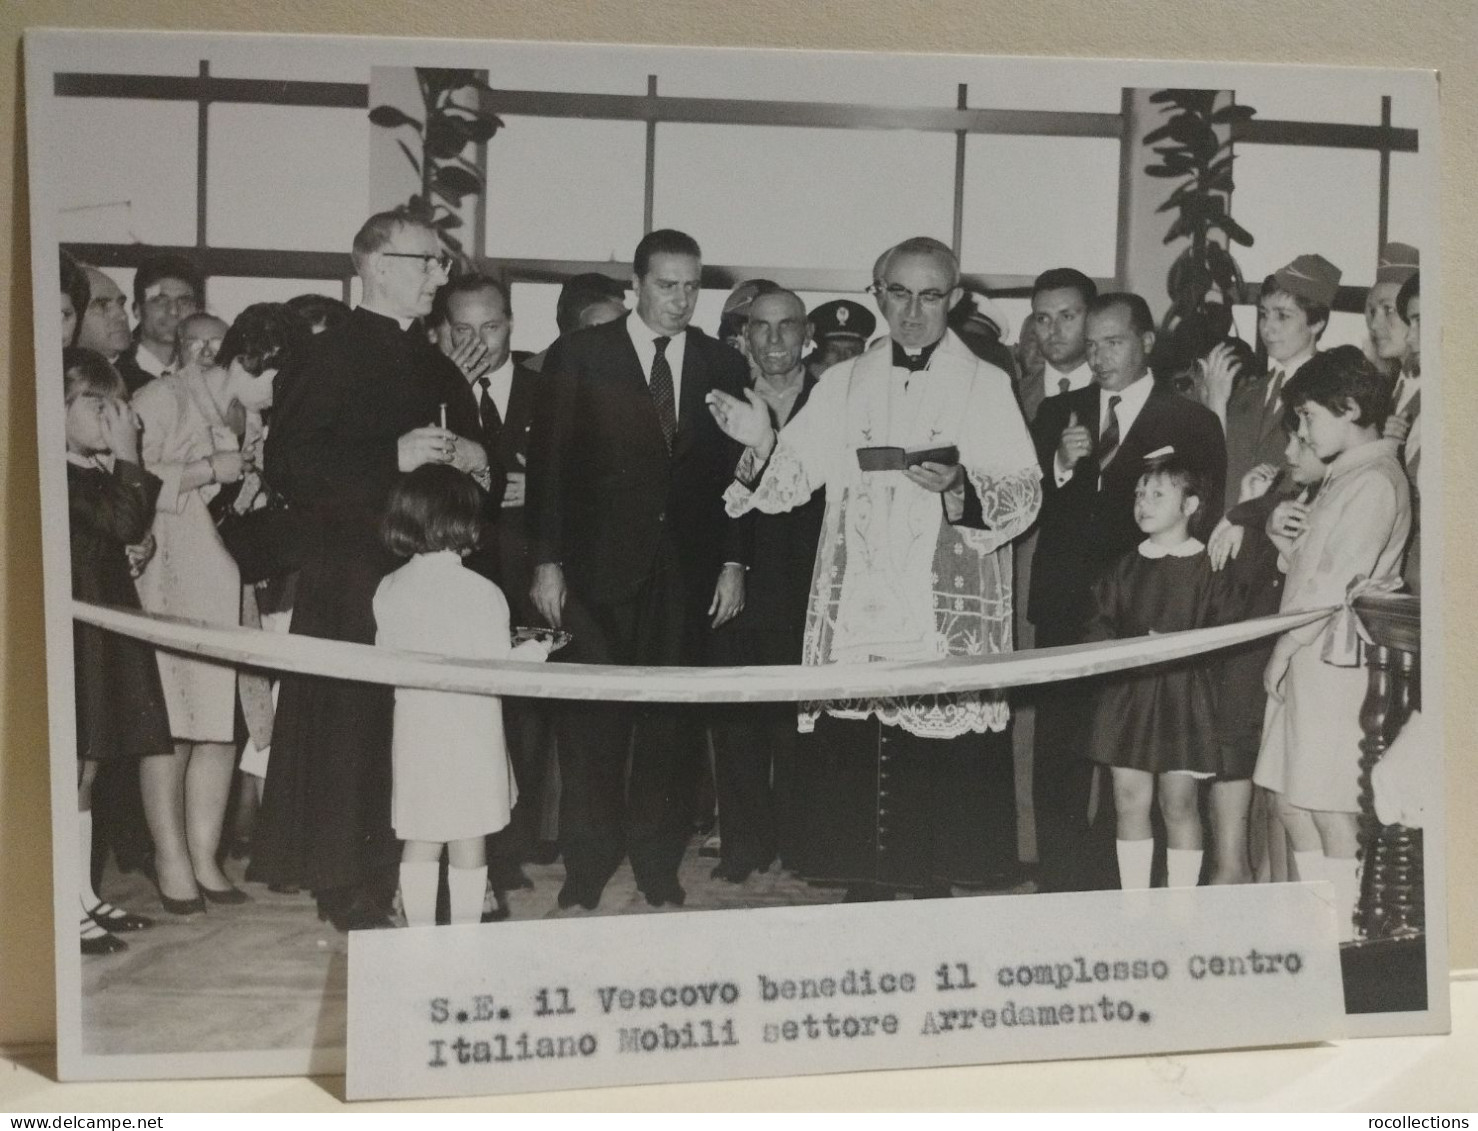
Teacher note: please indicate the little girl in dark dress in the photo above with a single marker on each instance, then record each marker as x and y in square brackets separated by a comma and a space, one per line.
[120, 705]
[1156, 727]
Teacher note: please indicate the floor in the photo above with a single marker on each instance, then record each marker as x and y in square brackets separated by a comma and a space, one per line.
[269, 975]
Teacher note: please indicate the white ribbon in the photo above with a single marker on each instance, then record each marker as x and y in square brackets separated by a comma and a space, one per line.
[310, 655]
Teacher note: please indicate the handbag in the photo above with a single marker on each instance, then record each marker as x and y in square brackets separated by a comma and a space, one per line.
[268, 541]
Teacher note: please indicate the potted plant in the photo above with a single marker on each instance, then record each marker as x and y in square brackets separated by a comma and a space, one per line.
[1193, 146]
[448, 129]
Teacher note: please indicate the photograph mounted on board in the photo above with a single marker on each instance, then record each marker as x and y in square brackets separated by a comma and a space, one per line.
[591, 485]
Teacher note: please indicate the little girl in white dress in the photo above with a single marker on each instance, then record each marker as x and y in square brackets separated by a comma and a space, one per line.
[452, 782]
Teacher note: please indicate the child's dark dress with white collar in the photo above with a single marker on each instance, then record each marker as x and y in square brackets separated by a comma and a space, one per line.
[1159, 719]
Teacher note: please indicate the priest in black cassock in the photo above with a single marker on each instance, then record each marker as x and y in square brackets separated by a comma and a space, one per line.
[363, 405]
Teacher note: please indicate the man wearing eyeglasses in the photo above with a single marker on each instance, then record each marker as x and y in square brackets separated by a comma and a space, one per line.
[929, 474]
[167, 289]
[636, 558]
[364, 403]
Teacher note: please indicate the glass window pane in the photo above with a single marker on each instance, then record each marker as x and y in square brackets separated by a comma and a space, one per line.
[885, 80]
[1037, 202]
[134, 55]
[534, 325]
[1409, 216]
[565, 189]
[228, 295]
[1314, 102]
[793, 76]
[1023, 84]
[286, 177]
[1295, 200]
[782, 197]
[125, 170]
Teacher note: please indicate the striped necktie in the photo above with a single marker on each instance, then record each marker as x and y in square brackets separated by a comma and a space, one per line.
[1108, 443]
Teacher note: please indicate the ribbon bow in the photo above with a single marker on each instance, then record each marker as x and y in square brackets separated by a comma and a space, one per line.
[1342, 641]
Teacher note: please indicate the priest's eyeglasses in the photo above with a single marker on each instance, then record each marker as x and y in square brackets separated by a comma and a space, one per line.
[430, 264]
[929, 300]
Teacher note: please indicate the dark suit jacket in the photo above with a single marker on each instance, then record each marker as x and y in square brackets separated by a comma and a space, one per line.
[1085, 526]
[603, 490]
[1252, 438]
[134, 375]
[504, 557]
[778, 586]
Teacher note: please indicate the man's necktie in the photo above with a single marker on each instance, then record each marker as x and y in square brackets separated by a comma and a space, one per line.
[487, 408]
[1063, 384]
[1108, 443]
[662, 393]
[1272, 409]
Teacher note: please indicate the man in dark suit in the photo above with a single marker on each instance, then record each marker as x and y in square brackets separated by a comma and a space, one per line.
[1054, 352]
[472, 324]
[359, 408]
[636, 557]
[1092, 444]
[754, 743]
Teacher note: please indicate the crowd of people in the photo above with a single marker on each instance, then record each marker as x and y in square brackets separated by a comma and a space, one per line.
[799, 488]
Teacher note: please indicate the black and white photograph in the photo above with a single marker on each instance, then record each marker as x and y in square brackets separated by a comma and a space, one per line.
[451, 435]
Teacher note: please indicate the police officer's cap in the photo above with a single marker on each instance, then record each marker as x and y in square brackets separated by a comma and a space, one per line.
[842, 318]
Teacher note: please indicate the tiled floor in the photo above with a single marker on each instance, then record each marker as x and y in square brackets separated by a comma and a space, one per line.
[269, 975]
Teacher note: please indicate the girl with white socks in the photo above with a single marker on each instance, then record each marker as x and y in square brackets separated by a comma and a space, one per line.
[452, 781]
[120, 705]
[1156, 727]
[1356, 528]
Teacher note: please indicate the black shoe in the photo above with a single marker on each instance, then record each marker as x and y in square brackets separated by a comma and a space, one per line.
[575, 894]
[229, 897]
[96, 941]
[506, 875]
[500, 909]
[670, 892]
[115, 919]
[180, 906]
[348, 909]
[732, 873]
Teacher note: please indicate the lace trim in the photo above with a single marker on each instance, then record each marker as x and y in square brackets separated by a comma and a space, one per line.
[785, 484]
[1008, 503]
[927, 716]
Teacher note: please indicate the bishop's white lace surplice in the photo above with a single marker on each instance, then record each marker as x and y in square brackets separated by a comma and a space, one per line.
[893, 579]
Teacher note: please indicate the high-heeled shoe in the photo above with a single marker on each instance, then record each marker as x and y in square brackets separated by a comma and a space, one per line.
[97, 941]
[180, 906]
[228, 897]
[115, 919]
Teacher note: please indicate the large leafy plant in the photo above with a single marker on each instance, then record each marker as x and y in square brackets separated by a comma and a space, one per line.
[1193, 147]
[449, 131]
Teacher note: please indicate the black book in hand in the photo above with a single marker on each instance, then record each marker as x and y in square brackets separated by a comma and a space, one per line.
[898, 459]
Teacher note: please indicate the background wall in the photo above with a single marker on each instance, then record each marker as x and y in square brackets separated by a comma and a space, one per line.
[1429, 33]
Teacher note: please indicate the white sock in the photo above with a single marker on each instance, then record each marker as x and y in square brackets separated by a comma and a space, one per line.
[84, 863]
[1345, 872]
[1135, 860]
[466, 887]
[1310, 866]
[418, 892]
[1183, 867]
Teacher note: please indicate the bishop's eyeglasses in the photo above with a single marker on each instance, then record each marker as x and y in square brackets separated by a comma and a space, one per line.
[929, 300]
